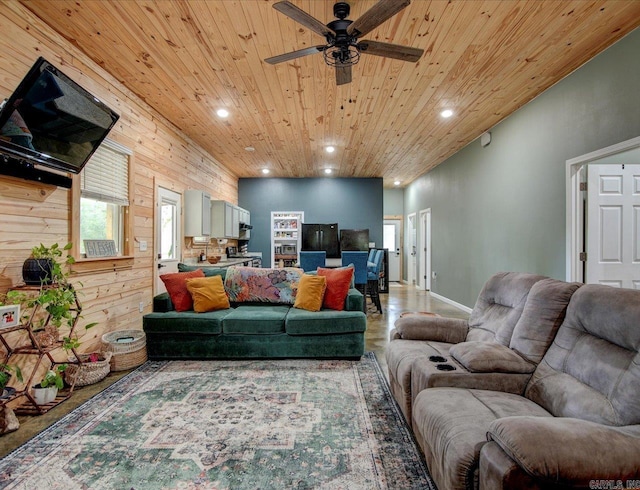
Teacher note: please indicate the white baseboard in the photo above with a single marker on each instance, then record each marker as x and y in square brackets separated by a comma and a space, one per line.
[451, 302]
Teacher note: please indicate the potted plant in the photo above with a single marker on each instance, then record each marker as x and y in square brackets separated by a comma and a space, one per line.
[45, 264]
[5, 376]
[47, 390]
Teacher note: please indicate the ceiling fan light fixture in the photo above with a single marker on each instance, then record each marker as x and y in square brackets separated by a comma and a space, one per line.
[345, 55]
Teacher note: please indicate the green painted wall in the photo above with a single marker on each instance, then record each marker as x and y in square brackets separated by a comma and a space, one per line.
[503, 207]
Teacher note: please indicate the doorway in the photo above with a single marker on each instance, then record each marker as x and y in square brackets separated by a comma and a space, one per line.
[168, 231]
[392, 240]
[424, 262]
[603, 226]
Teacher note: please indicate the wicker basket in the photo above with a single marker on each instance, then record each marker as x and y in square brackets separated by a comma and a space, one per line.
[129, 348]
[87, 373]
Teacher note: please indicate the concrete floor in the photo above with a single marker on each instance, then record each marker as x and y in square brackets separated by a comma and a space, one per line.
[400, 299]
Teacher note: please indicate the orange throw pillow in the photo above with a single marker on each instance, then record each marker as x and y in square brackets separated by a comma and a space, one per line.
[208, 294]
[310, 292]
[176, 284]
[338, 282]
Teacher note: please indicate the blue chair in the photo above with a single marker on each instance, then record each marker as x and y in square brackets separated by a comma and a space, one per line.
[359, 261]
[310, 261]
[373, 279]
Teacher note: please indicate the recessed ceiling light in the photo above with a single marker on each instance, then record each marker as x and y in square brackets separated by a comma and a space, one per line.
[330, 149]
[249, 148]
[265, 171]
[397, 182]
[447, 113]
[222, 113]
[327, 170]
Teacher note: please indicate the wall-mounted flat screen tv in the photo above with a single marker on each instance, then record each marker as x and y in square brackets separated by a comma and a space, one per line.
[51, 121]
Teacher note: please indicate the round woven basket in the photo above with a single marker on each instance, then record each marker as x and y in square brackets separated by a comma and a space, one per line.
[128, 348]
[87, 373]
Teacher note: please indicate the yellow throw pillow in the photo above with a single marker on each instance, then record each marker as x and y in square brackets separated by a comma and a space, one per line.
[208, 294]
[310, 292]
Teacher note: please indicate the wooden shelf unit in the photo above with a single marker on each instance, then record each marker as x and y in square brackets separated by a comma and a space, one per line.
[32, 347]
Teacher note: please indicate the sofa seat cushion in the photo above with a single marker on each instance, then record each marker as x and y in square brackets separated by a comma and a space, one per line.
[186, 322]
[451, 426]
[324, 322]
[489, 357]
[252, 320]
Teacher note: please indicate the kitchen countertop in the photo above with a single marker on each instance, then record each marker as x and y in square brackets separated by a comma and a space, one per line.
[225, 263]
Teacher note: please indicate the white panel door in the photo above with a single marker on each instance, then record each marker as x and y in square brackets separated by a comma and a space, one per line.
[424, 262]
[168, 234]
[613, 225]
[391, 241]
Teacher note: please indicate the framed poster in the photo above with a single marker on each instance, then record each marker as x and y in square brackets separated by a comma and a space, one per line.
[100, 248]
[9, 316]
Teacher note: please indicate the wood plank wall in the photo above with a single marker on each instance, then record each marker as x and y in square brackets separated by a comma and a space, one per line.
[32, 213]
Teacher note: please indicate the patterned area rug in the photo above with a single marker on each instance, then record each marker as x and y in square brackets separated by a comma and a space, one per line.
[229, 425]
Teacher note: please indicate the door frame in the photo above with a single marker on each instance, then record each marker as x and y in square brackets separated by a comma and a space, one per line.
[157, 184]
[411, 271]
[424, 244]
[574, 175]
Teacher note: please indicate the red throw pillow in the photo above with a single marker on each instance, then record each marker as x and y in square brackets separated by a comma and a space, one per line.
[338, 282]
[176, 284]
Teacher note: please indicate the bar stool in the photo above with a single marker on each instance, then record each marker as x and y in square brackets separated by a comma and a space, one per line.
[373, 278]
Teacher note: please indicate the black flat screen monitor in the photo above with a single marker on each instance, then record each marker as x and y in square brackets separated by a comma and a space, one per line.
[51, 121]
[354, 240]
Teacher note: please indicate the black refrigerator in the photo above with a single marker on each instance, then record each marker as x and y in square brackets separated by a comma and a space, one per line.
[319, 237]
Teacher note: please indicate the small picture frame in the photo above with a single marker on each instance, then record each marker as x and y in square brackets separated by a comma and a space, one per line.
[100, 248]
[9, 316]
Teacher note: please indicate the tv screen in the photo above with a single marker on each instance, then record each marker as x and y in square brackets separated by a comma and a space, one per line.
[50, 120]
[354, 240]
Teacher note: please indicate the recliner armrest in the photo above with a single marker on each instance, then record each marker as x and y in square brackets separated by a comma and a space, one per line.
[437, 329]
[569, 451]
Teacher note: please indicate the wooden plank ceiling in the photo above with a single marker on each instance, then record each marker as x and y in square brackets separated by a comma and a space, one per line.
[483, 60]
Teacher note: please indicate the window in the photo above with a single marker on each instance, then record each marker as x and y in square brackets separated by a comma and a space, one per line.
[104, 197]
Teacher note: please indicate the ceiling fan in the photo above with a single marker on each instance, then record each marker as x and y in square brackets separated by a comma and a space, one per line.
[343, 48]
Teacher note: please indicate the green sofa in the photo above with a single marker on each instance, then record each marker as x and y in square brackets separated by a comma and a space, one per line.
[255, 330]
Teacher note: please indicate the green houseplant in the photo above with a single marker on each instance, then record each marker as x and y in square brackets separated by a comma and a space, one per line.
[52, 381]
[5, 375]
[44, 266]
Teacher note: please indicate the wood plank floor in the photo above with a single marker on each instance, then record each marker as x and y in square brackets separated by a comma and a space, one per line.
[400, 298]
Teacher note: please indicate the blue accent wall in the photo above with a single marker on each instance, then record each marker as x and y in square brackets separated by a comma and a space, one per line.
[352, 203]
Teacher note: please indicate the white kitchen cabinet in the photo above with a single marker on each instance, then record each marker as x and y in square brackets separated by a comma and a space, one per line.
[225, 220]
[197, 213]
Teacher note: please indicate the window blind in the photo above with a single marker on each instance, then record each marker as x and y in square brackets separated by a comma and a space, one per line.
[105, 177]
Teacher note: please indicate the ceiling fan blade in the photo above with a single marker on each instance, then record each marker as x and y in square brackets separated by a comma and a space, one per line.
[375, 16]
[294, 54]
[300, 16]
[404, 53]
[343, 74]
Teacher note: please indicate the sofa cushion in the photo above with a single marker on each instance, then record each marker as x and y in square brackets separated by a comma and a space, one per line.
[338, 284]
[208, 271]
[488, 357]
[176, 284]
[451, 426]
[543, 314]
[185, 322]
[310, 292]
[255, 284]
[208, 294]
[499, 306]
[303, 322]
[251, 320]
[592, 369]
